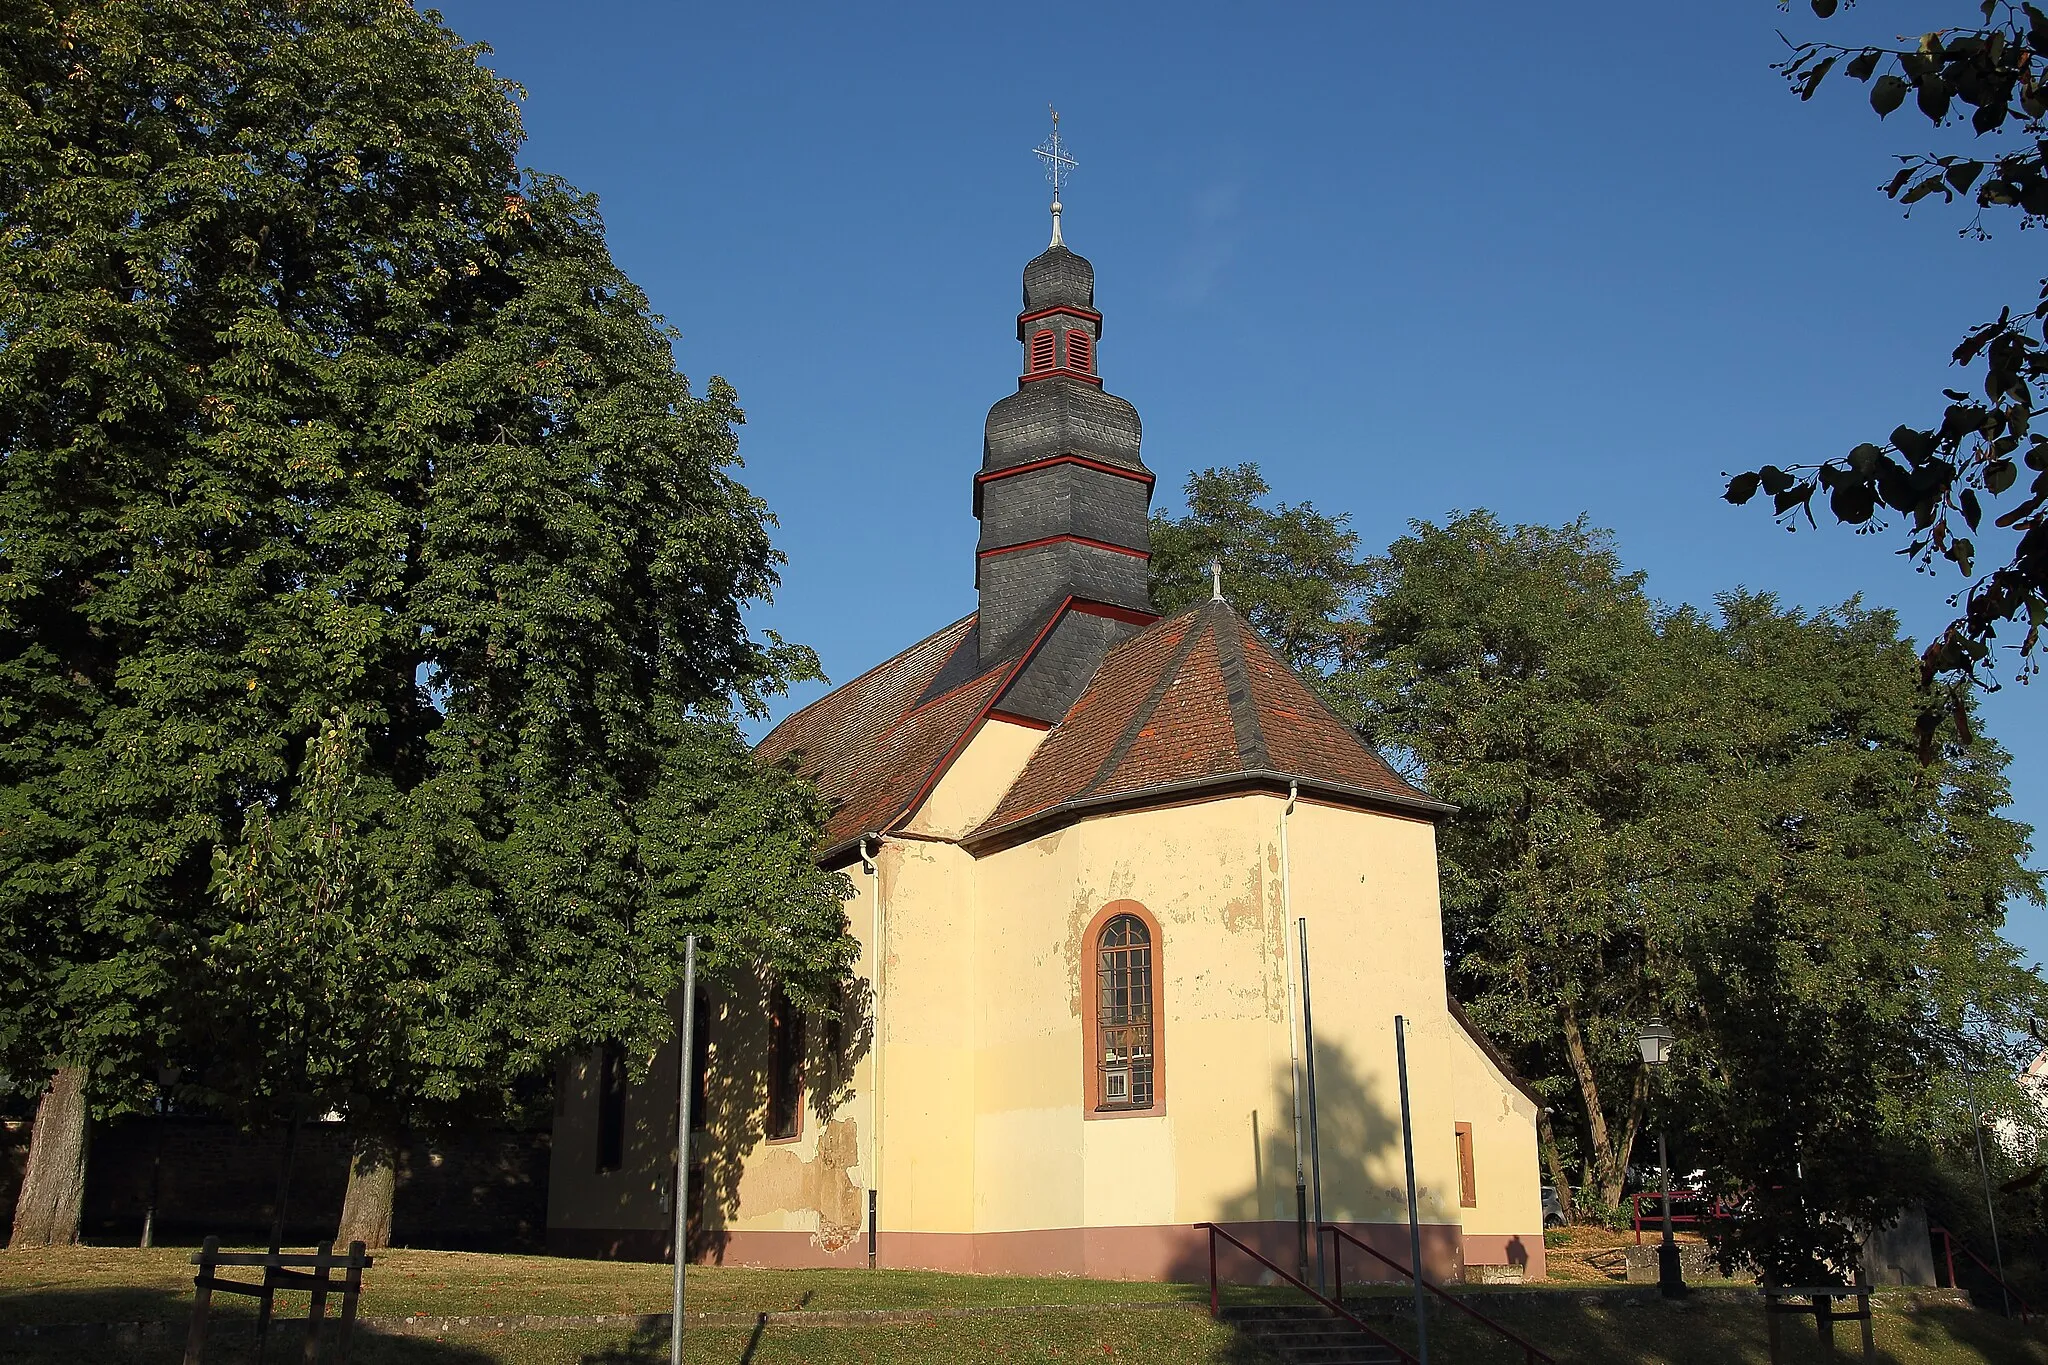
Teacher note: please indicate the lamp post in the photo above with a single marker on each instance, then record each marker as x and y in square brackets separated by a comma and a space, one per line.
[1655, 1043]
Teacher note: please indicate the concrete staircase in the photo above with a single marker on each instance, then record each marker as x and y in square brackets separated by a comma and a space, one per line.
[1308, 1335]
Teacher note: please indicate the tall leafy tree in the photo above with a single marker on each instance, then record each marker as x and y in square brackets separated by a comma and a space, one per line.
[1978, 470]
[1717, 817]
[1824, 927]
[314, 404]
[1520, 668]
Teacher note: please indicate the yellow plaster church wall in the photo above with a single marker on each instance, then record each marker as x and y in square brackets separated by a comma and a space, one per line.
[1504, 1161]
[976, 780]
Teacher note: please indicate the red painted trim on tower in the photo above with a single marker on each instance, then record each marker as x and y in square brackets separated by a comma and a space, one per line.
[1026, 721]
[980, 555]
[1144, 476]
[1065, 308]
[1094, 379]
[1128, 615]
[974, 726]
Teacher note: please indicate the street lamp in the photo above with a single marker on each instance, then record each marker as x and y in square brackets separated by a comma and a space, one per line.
[1655, 1043]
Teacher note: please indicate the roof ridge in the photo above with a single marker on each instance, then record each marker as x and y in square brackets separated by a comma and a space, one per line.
[1322, 704]
[1122, 748]
[1237, 690]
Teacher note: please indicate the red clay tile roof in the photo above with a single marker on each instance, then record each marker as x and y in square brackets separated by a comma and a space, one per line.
[870, 747]
[1195, 698]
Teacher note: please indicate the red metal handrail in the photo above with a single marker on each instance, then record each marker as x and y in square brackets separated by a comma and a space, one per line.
[1719, 1211]
[1215, 1300]
[1949, 1245]
[1531, 1352]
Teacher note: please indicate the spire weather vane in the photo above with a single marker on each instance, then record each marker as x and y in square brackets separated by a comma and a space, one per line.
[1058, 165]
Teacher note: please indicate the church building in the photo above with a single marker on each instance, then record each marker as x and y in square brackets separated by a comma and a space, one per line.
[1082, 838]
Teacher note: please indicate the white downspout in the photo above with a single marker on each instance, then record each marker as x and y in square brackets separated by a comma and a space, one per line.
[1286, 966]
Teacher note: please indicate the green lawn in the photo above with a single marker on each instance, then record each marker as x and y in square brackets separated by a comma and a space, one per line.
[119, 1284]
[97, 1284]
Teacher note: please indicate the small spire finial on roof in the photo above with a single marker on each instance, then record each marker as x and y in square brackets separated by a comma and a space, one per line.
[1215, 580]
[1058, 165]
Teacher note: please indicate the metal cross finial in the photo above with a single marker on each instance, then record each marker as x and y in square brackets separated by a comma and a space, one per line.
[1053, 153]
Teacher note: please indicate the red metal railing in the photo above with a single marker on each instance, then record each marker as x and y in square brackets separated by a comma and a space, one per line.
[1717, 1209]
[1949, 1246]
[1531, 1352]
[1216, 1300]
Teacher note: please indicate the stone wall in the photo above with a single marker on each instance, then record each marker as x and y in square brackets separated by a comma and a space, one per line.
[474, 1190]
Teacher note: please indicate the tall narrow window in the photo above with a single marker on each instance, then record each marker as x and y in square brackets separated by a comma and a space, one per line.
[700, 1065]
[1468, 1184]
[611, 1108]
[1042, 357]
[1123, 1015]
[785, 1067]
[1080, 350]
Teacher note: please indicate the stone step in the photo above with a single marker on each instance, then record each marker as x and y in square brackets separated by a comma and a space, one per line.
[1308, 1335]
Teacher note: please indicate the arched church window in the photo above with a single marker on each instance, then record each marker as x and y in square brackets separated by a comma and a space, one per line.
[785, 1068]
[1042, 358]
[1124, 1050]
[1080, 351]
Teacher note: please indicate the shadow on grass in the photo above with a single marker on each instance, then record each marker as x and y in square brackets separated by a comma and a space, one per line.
[1649, 1332]
[138, 1326]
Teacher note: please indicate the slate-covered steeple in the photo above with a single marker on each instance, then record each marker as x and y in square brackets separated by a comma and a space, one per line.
[1062, 496]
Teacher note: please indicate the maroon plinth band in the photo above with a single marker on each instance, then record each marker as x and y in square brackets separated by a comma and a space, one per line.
[1171, 1252]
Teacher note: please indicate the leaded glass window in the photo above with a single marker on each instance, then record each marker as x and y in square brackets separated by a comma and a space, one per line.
[1123, 1017]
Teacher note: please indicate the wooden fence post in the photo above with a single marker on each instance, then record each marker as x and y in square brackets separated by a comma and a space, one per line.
[352, 1287]
[202, 1297]
[322, 1261]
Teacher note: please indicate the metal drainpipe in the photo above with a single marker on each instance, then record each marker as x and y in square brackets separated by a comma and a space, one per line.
[874, 873]
[1293, 1033]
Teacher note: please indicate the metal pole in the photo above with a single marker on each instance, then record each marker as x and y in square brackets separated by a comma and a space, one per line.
[1315, 1154]
[1670, 1276]
[686, 1046]
[1997, 1256]
[1293, 1053]
[1414, 1212]
[156, 1166]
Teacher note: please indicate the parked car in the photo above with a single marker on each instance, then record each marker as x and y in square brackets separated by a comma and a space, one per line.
[1553, 1208]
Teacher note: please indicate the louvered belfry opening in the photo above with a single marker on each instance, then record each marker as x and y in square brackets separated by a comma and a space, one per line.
[1041, 352]
[1080, 351]
[1062, 496]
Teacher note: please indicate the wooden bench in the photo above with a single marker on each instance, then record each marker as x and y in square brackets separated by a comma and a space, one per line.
[280, 1271]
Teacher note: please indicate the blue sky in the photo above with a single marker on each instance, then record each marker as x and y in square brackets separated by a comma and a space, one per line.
[1547, 260]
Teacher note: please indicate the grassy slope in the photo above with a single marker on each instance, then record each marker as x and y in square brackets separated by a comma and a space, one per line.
[112, 1284]
[87, 1284]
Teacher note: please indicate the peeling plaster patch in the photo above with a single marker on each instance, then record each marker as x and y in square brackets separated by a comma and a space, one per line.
[1077, 924]
[783, 1181]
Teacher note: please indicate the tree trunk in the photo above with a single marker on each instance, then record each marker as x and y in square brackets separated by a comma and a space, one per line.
[53, 1186]
[372, 1181]
[1609, 1158]
[1547, 1140]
